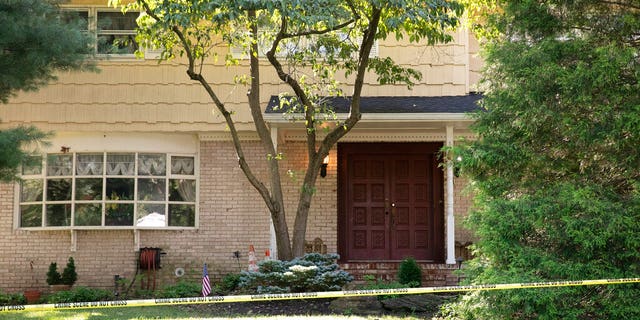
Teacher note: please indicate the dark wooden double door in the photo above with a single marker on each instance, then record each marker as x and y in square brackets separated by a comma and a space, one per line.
[391, 201]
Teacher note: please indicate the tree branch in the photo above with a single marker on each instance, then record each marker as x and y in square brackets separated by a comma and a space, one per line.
[259, 186]
[363, 61]
[303, 99]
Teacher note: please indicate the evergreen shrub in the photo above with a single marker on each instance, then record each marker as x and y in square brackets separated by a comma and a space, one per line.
[310, 273]
[410, 273]
[80, 294]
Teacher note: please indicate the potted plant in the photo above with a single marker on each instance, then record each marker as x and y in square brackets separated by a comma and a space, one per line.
[32, 295]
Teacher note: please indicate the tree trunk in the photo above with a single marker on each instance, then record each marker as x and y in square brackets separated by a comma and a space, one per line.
[275, 197]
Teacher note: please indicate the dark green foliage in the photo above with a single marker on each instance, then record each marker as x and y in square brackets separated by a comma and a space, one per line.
[230, 282]
[13, 150]
[410, 273]
[373, 284]
[69, 275]
[53, 276]
[310, 273]
[80, 294]
[35, 42]
[11, 299]
[556, 170]
[182, 289]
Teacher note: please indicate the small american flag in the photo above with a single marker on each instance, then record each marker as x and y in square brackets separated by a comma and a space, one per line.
[206, 285]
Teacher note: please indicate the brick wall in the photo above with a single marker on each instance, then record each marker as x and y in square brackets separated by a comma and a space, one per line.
[323, 215]
[232, 216]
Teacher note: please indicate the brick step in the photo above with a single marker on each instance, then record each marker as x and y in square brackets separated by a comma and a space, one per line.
[433, 274]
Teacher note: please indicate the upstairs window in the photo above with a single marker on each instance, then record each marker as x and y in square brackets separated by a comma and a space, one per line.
[110, 190]
[114, 31]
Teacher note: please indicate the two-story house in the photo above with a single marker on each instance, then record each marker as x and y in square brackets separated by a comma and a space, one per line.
[139, 159]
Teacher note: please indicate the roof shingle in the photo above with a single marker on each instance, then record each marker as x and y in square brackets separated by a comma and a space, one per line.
[401, 104]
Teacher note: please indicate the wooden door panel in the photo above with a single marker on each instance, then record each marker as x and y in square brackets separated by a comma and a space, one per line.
[374, 176]
[366, 217]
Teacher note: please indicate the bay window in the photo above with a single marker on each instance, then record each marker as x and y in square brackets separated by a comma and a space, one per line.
[109, 190]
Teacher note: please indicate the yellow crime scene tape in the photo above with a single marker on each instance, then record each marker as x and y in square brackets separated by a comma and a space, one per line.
[306, 295]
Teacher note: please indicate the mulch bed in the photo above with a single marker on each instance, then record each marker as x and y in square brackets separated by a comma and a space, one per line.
[268, 308]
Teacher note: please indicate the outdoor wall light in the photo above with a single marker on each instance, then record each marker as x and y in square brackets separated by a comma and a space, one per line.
[456, 167]
[323, 167]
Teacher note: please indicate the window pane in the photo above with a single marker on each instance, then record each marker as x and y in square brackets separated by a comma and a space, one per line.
[116, 20]
[119, 189]
[32, 166]
[89, 164]
[117, 44]
[181, 215]
[31, 190]
[151, 189]
[119, 214]
[59, 164]
[88, 214]
[58, 189]
[58, 215]
[89, 189]
[182, 165]
[152, 164]
[121, 164]
[182, 190]
[151, 215]
[31, 216]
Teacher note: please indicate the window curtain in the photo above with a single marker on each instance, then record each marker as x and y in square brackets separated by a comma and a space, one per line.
[120, 164]
[152, 164]
[89, 164]
[182, 165]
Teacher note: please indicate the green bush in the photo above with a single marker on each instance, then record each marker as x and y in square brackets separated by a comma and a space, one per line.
[373, 284]
[69, 275]
[410, 273]
[230, 282]
[312, 272]
[10, 299]
[80, 294]
[53, 276]
[182, 289]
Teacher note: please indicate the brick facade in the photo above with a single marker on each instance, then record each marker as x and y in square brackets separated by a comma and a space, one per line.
[231, 217]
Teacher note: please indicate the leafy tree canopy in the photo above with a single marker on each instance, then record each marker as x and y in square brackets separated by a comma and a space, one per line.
[556, 168]
[35, 41]
[306, 43]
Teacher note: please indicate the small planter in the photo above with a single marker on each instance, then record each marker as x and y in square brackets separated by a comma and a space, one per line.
[32, 295]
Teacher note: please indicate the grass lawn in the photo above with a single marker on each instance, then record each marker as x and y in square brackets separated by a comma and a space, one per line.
[159, 312]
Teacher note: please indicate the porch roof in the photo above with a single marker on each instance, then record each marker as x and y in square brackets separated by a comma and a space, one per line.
[397, 104]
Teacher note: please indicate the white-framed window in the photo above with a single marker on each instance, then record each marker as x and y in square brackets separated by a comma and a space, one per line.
[114, 32]
[109, 190]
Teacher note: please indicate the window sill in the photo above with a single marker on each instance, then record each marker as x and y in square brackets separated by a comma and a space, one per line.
[136, 233]
[108, 228]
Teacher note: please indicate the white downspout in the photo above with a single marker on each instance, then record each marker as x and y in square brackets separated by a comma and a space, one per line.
[451, 238]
